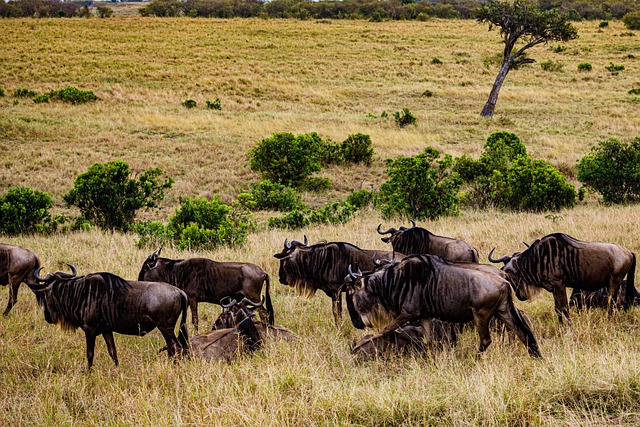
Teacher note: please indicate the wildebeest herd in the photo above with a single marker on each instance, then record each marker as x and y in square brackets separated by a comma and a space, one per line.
[417, 296]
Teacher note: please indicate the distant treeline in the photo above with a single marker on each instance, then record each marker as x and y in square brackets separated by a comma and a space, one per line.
[376, 10]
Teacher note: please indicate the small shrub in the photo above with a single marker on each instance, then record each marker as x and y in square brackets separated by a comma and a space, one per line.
[215, 105]
[73, 95]
[104, 12]
[330, 152]
[551, 65]
[24, 210]
[330, 213]
[189, 103]
[635, 90]
[436, 61]
[287, 159]
[632, 20]
[295, 219]
[24, 93]
[404, 117]
[614, 69]
[152, 234]
[108, 198]
[422, 17]
[269, 195]
[420, 187]
[603, 24]
[1, 92]
[84, 12]
[40, 99]
[427, 93]
[357, 148]
[585, 66]
[316, 184]
[560, 49]
[612, 168]
[362, 198]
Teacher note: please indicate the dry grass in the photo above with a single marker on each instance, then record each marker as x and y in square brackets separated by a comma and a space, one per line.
[275, 76]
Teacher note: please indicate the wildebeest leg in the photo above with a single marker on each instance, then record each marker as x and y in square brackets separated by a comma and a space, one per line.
[481, 319]
[171, 340]
[193, 305]
[91, 345]
[336, 300]
[111, 345]
[14, 284]
[577, 298]
[561, 303]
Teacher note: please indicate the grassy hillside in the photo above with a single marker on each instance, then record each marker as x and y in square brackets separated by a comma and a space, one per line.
[331, 78]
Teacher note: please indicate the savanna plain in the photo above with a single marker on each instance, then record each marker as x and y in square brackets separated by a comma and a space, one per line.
[335, 78]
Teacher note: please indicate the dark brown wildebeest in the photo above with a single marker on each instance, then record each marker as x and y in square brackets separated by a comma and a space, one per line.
[600, 298]
[323, 267]
[16, 266]
[205, 280]
[558, 261]
[417, 240]
[423, 287]
[223, 344]
[103, 303]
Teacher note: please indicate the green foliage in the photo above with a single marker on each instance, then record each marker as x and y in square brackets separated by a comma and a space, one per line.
[427, 93]
[500, 150]
[104, 12]
[269, 195]
[109, 198]
[24, 210]
[420, 187]
[632, 20]
[330, 213]
[404, 117]
[152, 234]
[330, 152]
[39, 99]
[215, 105]
[357, 148]
[287, 159]
[200, 223]
[603, 24]
[585, 66]
[72, 95]
[436, 61]
[24, 93]
[634, 91]
[189, 103]
[612, 168]
[551, 65]
[614, 69]
[1, 92]
[560, 48]
[362, 198]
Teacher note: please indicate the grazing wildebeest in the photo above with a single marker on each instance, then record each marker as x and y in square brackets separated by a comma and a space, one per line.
[16, 266]
[223, 344]
[558, 261]
[600, 298]
[205, 280]
[323, 266]
[232, 315]
[423, 287]
[103, 303]
[417, 240]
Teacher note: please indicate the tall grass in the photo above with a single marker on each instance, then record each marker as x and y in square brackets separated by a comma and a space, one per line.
[275, 76]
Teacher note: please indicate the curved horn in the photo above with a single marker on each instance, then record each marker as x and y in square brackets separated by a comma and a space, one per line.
[231, 304]
[287, 243]
[504, 259]
[413, 223]
[36, 274]
[67, 275]
[525, 243]
[248, 302]
[389, 231]
[300, 244]
[353, 275]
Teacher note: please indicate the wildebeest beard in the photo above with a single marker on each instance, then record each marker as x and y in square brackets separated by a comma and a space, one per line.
[303, 288]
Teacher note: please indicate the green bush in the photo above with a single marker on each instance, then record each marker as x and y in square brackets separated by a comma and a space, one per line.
[330, 152]
[152, 234]
[104, 12]
[357, 148]
[24, 93]
[330, 213]
[420, 187]
[362, 198]
[269, 195]
[108, 198]
[189, 103]
[404, 118]
[613, 68]
[603, 24]
[612, 168]
[215, 105]
[295, 219]
[551, 65]
[40, 99]
[24, 210]
[200, 223]
[73, 95]
[1, 92]
[585, 66]
[632, 20]
[635, 90]
[436, 61]
[500, 150]
[287, 159]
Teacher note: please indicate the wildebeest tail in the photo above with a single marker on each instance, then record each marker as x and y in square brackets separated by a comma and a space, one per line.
[521, 323]
[631, 287]
[268, 302]
[183, 335]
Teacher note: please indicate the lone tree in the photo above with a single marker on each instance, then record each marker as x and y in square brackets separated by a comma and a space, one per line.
[522, 22]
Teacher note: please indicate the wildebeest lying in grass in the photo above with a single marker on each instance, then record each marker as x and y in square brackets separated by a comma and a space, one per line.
[205, 280]
[600, 298]
[103, 303]
[16, 266]
[422, 287]
[223, 344]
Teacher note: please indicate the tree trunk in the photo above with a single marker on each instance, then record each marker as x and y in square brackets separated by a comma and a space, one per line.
[490, 106]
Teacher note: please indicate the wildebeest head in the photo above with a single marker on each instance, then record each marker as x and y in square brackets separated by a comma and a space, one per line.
[394, 233]
[44, 284]
[148, 270]
[289, 273]
[365, 307]
[234, 312]
[520, 281]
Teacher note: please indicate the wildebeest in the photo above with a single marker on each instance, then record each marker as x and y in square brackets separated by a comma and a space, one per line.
[103, 303]
[323, 266]
[417, 240]
[205, 280]
[558, 261]
[16, 266]
[223, 344]
[422, 287]
[600, 298]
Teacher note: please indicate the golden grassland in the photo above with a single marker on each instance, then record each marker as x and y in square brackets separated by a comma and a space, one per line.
[330, 77]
